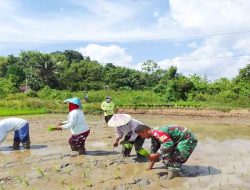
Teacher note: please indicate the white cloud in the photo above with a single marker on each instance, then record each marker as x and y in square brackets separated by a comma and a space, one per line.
[211, 15]
[208, 60]
[243, 45]
[122, 20]
[107, 54]
[194, 17]
[192, 45]
[125, 20]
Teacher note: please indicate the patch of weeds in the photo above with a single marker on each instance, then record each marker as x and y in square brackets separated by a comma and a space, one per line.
[2, 188]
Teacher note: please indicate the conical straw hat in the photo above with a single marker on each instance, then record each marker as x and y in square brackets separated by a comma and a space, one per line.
[119, 120]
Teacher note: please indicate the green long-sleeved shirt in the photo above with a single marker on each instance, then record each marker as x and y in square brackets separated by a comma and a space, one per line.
[108, 108]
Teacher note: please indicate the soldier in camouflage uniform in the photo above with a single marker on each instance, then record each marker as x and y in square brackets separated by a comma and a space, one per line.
[171, 143]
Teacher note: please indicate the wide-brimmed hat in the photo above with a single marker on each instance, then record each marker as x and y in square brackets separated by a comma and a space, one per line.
[119, 120]
[75, 101]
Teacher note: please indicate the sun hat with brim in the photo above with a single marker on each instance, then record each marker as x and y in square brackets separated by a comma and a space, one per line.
[74, 101]
[119, 120]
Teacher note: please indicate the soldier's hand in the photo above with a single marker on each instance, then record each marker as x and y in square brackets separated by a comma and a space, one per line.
[154, 157]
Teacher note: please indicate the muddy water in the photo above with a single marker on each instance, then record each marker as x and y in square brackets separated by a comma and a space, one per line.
[220, 161]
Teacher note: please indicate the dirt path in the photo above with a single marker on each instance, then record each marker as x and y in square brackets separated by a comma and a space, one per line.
[220, 161]
[191, 112]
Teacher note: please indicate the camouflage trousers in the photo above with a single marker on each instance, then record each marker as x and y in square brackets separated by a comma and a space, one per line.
[181, 151]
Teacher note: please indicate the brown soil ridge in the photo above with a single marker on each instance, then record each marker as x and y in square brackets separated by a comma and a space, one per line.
[244, 113]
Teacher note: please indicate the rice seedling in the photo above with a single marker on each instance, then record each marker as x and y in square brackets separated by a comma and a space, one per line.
[63, 182]
[88, 183]
[143, 152]
[234, 167]
[84, 174]
[56, 169]
[23, 180]
[52, 128]
[127, 145]
[40, 171]
[117, 174]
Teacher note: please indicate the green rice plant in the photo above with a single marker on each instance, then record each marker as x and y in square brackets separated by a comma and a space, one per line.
[63, 181]
[127, 144]
[117, 174]
[84, 174]
[23, 180]
[52, 128]
[40, 171]
[88, 183]
[57, 169]
[143, 152]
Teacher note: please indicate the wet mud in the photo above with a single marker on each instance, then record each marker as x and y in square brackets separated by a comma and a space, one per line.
[220, 161]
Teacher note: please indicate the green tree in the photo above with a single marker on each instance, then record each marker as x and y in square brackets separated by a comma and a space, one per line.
[150, 67]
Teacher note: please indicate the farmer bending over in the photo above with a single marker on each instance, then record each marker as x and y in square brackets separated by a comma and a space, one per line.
[21, 135]
[125, 127]
[172, 144]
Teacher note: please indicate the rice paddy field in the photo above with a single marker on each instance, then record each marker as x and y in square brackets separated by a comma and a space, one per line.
[220, 161]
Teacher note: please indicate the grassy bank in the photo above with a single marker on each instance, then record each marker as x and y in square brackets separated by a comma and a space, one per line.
[51, 101]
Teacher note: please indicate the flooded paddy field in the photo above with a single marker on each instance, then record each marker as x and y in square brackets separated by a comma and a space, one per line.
[221, 159]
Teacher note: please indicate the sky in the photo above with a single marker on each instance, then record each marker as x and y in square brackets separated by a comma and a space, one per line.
[208, 38]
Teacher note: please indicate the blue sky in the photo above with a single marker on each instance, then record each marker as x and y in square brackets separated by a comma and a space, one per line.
[202, 37]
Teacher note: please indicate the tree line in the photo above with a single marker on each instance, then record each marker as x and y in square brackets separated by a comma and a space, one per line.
[69, 70]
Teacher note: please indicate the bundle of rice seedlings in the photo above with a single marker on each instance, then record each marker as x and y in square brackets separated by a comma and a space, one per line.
[127, 145]
[52, 128]
[143, 152]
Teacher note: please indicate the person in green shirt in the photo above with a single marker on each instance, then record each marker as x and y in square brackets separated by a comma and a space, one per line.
[170, 143]
[108, 107]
